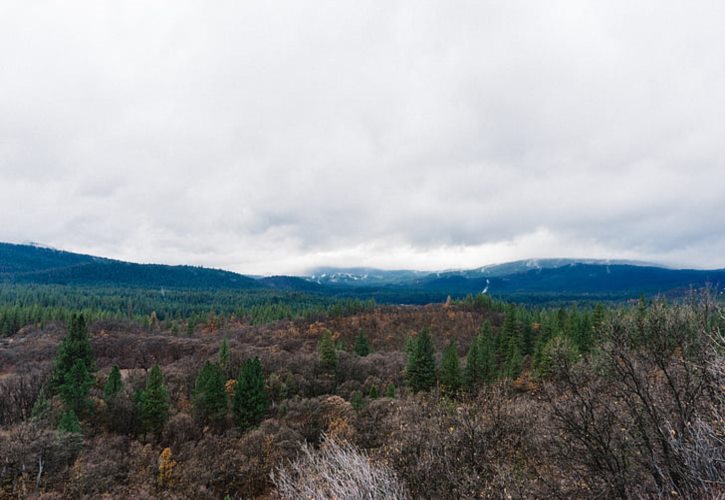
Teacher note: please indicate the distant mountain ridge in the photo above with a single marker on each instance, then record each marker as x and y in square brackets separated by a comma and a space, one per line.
[583, 279]
[367, 276]
[42, 265]
[362, 276]
[536, 280]
[533, 280]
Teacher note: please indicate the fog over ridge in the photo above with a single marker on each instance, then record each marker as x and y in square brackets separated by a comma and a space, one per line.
[275, 138]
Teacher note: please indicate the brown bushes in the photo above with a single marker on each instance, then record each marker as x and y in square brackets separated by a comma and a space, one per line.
[480, 448]
[34, 458]
[640, 416]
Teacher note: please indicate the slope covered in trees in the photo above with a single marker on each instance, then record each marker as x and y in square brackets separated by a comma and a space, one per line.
[549, 281]
[176, 309]
[38, 265]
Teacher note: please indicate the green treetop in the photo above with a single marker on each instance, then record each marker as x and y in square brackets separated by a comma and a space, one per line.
[74, 390]
[250, 395]
[362, 348]
[486, 354]
[224, 355]
[209, 396]
[113, 384]
[356, 400]
[69, 423]
[420, 367]
[472, 372]
[514, 361]
[154, 401]
[328, 352]
[75, 347]
[390, 390]
[450, 373]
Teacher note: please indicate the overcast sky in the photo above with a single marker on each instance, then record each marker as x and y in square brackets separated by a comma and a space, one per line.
[275, 136]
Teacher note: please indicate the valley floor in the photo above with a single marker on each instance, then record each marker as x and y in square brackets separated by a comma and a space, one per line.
[634, 411]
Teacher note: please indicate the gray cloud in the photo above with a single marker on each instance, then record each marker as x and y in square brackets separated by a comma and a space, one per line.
[271, 137]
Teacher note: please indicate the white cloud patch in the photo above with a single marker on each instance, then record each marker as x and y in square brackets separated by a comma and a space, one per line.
[273, 137]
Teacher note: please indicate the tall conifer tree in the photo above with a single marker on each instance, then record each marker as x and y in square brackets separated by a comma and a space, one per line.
[421, 368]
[114, 384]
[75, 347]
[154, 402]
[362, 348]
[250, 395]
[486, 353]
[328, 352]
[69, 423]
[224, 356]
[210, 396]
[471, 374]
[75, 388]
[450, 373]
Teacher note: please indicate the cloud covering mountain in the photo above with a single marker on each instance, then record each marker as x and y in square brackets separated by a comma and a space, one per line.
[273, 138]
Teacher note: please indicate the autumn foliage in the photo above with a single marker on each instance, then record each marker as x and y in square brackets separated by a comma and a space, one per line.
[461, 401]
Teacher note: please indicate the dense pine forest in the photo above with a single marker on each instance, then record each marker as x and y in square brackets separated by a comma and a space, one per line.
[169, 309]
[258, 395]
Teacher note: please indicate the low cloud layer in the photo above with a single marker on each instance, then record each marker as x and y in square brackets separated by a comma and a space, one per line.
[272, 137]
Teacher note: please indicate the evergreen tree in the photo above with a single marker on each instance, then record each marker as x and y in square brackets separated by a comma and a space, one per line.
[598, 317]
[472, 372]
[250, 395]
[154, 402]
[585, 339]
[514, 361]
[558, 353]
[75, 347]
[548, 324]
[113, 385]
[390, 391]
[410, 348]
[421, 372]
[571, 329]
[450, 374]
[509, 322]
[41, 407]
[486, 354]
[373, 393]
[356, 400]
[69, 423]
[481, 359]
[526, 335]
[641, 317]
[505, 340]
[561, 320]
[511, 346]
[328, 352]
[362, 348]
[75, 388]
[209, 396]
[224, 356]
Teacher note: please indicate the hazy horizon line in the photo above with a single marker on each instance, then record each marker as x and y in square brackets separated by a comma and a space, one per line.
[312, 270]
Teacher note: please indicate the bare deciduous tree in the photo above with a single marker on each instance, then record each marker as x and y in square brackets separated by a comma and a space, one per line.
[336, 470]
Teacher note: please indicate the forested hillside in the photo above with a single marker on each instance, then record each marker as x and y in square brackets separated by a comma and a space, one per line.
[173, 309]
[582, 282]
[551, 281]
[39, 265]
